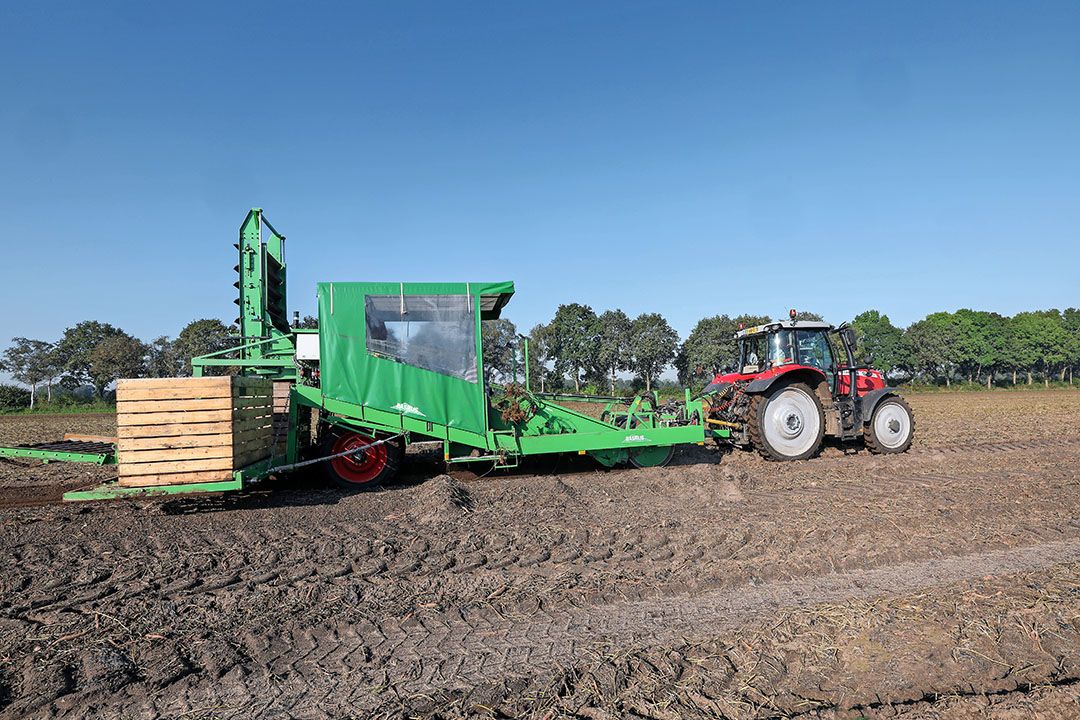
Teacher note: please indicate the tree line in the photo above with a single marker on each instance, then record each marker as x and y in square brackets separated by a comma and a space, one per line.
[585, 350]
[94, 354]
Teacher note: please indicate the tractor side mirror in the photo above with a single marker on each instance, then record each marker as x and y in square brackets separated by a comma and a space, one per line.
[848, 334]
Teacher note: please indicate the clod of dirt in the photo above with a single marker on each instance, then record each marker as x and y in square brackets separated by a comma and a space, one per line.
[108, 668]
[440, 499]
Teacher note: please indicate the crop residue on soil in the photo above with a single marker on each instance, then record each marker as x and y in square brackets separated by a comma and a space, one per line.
[943, 583]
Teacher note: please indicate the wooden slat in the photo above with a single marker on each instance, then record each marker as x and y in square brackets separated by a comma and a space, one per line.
[89, 438]
[170, 418]
[176, 478]
[145, 383]
[179, 392]
[134, 457]
[179, 441]
[173, 429]
[241, 425]
[164, 468]
[263, 435]
[252, 403]
[243, 381]
[263, 441]
[145, 406]
[248, 458]
[126, 383]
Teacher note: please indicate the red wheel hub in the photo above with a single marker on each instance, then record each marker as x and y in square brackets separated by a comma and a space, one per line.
[362, 466]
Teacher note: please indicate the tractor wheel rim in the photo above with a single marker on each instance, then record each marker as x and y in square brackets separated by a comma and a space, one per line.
[361, 467]
[892, 426]
[791, 422]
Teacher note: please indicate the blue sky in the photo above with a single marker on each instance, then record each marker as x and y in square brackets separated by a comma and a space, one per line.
[684, 158]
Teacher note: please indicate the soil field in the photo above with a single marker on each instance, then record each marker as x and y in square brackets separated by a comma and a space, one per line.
[942, 583]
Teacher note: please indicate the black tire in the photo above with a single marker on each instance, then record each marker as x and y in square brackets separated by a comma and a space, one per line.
[365, 472]
[888, 432]
[782, 438]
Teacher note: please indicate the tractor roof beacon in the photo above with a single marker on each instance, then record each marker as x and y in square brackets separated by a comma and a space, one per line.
[796, 382]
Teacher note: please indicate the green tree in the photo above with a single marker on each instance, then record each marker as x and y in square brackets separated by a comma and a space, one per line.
[1038, 341]
[1022, 344]
[540, 375]
[981, 340]
[711, 347]
[76, 345]
[934, 344]
[500, 348]
[654, 343]
[119, 356]
[1056, 345]
[1070, 320]
[31, 362]
[809, 316]
[573, 334]
[879, 342]
[310, 322]
[163, 360]
[202, 337]
[614, 345]
[13, 397]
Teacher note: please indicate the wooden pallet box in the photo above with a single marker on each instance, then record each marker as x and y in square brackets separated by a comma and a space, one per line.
[174, 431]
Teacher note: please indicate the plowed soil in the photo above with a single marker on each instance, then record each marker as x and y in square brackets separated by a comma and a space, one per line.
[942, 583]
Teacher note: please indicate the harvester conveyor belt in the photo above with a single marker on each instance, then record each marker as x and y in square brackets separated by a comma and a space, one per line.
[90, 451]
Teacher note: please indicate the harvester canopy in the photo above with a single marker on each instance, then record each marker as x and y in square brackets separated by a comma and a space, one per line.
[412, 347]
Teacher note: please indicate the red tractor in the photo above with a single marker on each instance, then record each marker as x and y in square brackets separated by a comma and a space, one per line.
[791, 388]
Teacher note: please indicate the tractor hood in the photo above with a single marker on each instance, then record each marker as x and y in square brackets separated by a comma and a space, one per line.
[717, 386]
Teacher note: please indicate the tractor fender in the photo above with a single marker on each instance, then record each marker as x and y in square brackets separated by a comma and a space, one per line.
[811, 375]
[869, 401]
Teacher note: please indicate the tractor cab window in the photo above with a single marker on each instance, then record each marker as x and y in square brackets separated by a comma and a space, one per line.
[781, 348]
[433, 332]
[751, 354]
[814, 349]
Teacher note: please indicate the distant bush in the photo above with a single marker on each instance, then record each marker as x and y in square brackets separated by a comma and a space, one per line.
[13, 397]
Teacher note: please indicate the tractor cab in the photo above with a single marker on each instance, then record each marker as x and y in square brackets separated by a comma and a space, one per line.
[766, 351]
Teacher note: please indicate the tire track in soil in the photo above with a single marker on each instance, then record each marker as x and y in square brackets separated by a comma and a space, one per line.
[321, 558]
[433, 653]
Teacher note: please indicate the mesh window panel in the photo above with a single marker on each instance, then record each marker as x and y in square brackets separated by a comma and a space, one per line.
[433, 332]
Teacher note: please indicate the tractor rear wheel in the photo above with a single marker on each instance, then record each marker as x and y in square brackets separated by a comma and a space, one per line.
[368, 467]
[891, 428]
[786, 424]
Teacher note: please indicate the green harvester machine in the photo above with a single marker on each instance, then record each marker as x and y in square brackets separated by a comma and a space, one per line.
[394, 363]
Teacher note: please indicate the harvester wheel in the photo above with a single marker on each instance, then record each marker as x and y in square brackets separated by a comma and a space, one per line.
[891, 428]
[651, 456]
[786, 424]
[366, 469]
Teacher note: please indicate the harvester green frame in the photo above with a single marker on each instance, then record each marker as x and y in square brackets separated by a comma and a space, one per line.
[371, 379]
[369, 387]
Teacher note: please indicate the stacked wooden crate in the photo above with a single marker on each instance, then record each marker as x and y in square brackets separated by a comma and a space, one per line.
[281, 415]
[191, 430]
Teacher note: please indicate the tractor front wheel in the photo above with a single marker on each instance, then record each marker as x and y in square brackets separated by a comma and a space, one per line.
[788, 423]
[891, 428]
[368, 466]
